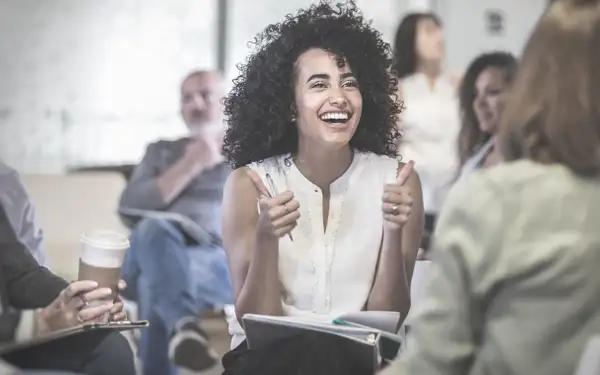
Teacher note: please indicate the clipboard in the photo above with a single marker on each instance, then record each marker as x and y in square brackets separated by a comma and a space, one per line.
[67, 332]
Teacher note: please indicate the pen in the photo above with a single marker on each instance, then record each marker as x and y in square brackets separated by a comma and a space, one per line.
[275, 192]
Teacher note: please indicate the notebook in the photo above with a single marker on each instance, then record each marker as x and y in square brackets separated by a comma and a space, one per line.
[67, 332]
[369, 336]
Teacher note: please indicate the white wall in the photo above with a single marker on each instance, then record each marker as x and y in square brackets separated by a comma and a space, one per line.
[92, 81]
[466, 33]
[247, 18]
[464, 24]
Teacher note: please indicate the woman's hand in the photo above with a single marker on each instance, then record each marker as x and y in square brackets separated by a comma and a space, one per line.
[278, 214]
[116, 313]
[397, 200]
[67, 310]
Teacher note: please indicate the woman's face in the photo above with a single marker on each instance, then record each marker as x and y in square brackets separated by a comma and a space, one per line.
[490, 86]
[328, 101]
[430, 41]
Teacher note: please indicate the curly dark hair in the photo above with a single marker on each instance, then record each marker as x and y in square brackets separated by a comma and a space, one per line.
[260, 107]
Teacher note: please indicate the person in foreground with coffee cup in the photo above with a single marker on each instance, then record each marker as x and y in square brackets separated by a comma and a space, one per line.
[34, 302]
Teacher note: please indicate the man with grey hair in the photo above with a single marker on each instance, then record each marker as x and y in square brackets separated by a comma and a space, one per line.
[176, 266]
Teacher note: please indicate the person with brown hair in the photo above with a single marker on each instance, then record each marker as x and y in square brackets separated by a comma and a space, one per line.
[482, 96]
[430, 119]
[517, 246]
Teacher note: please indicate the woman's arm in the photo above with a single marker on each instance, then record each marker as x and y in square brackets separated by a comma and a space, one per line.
[253, 258]
[468, 237]
[391, 288]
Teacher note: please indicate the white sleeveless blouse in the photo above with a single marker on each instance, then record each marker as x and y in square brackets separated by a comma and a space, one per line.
[327, 273]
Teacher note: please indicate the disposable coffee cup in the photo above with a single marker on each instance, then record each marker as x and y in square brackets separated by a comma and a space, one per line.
[100, 260]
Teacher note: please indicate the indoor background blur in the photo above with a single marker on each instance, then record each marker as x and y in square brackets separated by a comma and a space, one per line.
[88, 83]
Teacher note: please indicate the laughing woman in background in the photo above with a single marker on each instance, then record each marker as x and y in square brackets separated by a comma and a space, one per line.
[482, 94]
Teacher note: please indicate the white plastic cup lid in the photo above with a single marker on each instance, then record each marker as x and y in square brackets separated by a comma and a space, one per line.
[105, 239]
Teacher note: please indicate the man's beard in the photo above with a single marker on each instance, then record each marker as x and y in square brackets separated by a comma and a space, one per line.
[207, 130]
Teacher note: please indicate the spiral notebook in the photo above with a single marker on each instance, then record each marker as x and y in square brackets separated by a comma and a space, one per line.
[370, 337]
[67, 332]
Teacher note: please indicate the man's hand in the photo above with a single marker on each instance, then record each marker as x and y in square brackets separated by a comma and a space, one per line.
[203, 153]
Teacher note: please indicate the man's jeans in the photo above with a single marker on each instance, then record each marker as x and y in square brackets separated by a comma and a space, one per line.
[170, 280]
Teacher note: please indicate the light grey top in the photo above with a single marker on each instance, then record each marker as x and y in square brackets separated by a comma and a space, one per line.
[514, 284]
[20, 212]
[200, 201]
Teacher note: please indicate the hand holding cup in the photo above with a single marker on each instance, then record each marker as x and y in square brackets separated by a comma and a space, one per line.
[70, 308]
[117, 312]
[102, 254]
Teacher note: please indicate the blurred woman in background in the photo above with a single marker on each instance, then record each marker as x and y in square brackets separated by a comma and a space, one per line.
[517, 246]
[430, 121]
[482, 93]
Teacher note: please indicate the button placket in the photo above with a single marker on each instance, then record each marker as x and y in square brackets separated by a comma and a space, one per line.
[317, 258]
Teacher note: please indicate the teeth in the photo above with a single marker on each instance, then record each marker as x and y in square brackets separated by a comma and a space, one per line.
[334, 116]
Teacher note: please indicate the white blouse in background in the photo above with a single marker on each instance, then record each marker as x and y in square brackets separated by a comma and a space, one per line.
[328, 273]
[430, 125]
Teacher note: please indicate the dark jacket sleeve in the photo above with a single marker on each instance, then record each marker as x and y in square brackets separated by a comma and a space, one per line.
[24, 284]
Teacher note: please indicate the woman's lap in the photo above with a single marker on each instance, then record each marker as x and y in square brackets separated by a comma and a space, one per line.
[306, 354]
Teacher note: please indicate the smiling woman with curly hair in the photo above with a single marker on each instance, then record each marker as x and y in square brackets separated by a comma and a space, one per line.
[312, 135]
[261, 108]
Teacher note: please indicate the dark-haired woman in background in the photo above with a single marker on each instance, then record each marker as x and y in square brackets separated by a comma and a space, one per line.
[319, 217]
[514, 286]
[482, 94]
[430, 121]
